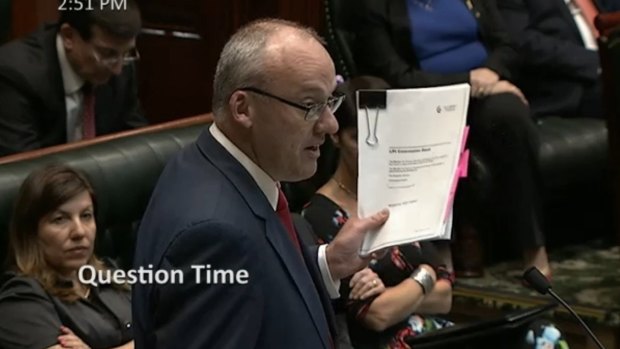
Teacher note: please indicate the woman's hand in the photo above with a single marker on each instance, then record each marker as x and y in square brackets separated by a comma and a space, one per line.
[364, 284]
[68, 339]
[481, 79]
[502, 86]
[507, 87]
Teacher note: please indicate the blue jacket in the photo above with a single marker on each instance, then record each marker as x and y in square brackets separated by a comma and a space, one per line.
[207, 210]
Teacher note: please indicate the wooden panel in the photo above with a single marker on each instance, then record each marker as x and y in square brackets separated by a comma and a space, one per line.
[176, 70]
[171, 12]
[174, 81]
[176, 74]
[27, 15]
[308, 12]
[33, 154]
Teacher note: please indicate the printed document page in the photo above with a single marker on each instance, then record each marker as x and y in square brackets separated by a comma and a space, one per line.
[409, 143]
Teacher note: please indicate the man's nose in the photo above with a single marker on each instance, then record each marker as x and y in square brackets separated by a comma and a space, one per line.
[327, 122]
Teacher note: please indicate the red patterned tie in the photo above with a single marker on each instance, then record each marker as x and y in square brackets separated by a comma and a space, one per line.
[88, 116]
[286, 219]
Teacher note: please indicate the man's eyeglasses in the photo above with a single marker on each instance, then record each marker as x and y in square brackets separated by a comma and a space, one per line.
[112, 59]
[312, 111]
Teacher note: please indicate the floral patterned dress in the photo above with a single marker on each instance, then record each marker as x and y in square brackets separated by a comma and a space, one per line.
[326, 218]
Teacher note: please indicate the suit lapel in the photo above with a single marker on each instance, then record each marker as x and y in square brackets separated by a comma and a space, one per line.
[310, 255]
[569, 19]
[275, 231]
[298, 271]
[104, 107]
[235, 173]
[53, 91]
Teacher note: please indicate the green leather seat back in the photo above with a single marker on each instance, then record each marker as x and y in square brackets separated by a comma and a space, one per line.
[123, 172]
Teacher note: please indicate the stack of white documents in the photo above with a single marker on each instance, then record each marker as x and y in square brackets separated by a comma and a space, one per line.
[411, 154]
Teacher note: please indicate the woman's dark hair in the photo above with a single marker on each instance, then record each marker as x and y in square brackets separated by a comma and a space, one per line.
[123, 23]
[347, 113]
[346, 116]
[43, 191]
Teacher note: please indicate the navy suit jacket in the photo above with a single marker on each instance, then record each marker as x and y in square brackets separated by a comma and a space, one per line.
[33, 114]
[207, 209]
[557, 68]
[609, 5]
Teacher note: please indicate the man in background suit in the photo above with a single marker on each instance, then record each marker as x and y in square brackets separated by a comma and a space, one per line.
[610, 5]
[218, 203]
[72, 80]
[561, 68]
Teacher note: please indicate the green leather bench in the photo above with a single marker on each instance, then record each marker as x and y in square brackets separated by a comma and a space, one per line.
[123, 169]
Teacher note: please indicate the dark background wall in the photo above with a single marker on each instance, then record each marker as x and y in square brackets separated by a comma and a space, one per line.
[184, 62]
[26, 15]
[180, 44]
[5, 20]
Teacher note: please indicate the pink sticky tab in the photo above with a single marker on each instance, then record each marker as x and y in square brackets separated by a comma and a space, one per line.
[464, 164]
[464, 140]
[455, 182]
[461, 170]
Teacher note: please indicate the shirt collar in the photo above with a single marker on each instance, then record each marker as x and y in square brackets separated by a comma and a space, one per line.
[268, 186]
[71, 81]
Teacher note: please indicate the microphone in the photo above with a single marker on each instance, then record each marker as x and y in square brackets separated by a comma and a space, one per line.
[539, 282]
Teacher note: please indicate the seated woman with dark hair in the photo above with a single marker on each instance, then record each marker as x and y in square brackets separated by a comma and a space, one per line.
[42, 301]
[417, 284]
[383, 320]
[424, 43]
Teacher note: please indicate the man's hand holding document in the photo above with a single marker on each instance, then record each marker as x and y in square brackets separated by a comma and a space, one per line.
[410, 143]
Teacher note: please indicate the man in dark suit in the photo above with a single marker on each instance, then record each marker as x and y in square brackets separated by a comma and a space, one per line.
[218, 205]
[560, 74]
[70, 81]
[610, 5]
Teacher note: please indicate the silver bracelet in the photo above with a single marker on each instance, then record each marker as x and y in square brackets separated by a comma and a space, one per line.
[424, 278]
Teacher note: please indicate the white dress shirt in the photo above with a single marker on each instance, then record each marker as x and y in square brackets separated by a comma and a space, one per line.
[269, 187]
[589, 41]
[74, 100]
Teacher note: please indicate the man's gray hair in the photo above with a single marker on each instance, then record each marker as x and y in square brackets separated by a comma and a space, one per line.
[242, 64]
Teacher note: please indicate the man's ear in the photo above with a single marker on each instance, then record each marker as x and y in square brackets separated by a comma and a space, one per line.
[241, 110]
[68, 35]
